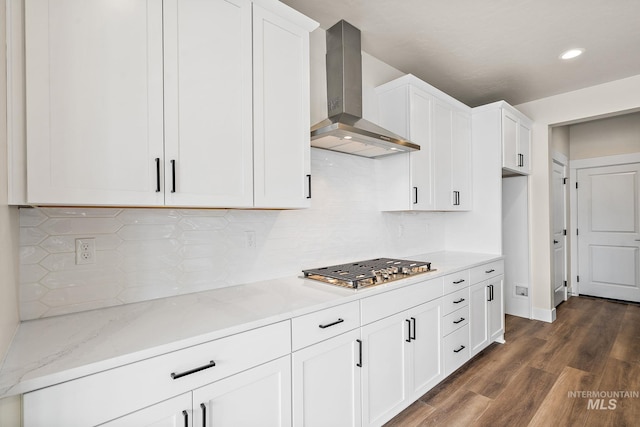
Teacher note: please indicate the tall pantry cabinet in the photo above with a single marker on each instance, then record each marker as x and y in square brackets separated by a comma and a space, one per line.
[167, 103]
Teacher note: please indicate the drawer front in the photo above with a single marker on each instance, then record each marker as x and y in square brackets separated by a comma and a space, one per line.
[456, 349]
[321, 325]
[389, 303]
[456, 281]
[130, 387]
[487, 271]
[455, 320]
[455, 301]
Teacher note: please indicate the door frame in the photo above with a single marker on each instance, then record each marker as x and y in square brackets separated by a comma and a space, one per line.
[575, 165]
[563, 161]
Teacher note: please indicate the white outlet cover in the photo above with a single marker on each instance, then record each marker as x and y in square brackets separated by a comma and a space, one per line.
[86, 251]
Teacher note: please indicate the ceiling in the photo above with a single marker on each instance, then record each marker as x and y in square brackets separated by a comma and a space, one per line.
[480, 51]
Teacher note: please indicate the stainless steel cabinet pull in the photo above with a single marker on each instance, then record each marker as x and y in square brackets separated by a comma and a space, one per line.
[408, 330]
[460, 349]
[359, 364]
[331, 324]
[490, 271]
[413, 319]
[204, 414]
[415, 195]
[309, 181]
[157, 174]
[185, 414]
[173, 176]
[193, 371]
[459, 301]
[458, 321]
[457, 282]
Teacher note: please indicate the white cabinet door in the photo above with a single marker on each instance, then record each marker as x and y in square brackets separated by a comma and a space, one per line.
[384, 364]
[496, 310]
[281, 112]
[479, 317]
[425, 355]
[260, 396]
[94, 102]
[326, 383]
[208, 105]
[461, 161]
[524, 147]
[443, 165]
[509, 140]
[175, 412]
[420, 116]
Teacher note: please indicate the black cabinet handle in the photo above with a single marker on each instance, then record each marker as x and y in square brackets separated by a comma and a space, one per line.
[415, 195]
[157, 174]
[413, 320]
[555, 242]
[331, 324]
[309, 183]
[459, 301]
[359, 364]
[458, 321]
[490, 271]
[456, 198]
[185, 414]
[193, 371]
[204, 414]
[490, 293]
[457, 282]
[173, 176]
[460, 349]
[408, 330]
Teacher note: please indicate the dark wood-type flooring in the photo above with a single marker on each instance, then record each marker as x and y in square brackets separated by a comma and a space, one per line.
[594, 345]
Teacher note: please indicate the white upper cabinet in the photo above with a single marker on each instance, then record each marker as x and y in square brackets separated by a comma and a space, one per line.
[176, 103]
[94, 101]
[282, 148]
[438, 176]
[208, 104]
[516, 141]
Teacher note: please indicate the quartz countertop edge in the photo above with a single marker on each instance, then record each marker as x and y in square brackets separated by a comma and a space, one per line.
[52, 350]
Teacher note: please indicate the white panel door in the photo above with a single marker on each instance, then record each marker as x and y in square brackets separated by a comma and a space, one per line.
[260, 396]
[94, 102]
[524, 148]
[425, 355]
[281, 112]
[443, 162]
[422, 191]
[509, 141]
[208, 105]
[326, 383]
[559, 255]
[479, 318]
[609, 233]
[461, 161]
[175, 412]
[384, 364]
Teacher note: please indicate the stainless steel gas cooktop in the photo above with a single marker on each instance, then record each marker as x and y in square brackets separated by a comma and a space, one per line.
[368, 273]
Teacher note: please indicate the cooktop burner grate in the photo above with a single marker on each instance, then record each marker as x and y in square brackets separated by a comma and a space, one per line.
[367, 273]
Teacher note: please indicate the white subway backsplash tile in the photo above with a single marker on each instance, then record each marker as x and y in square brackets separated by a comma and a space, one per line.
[144, 254]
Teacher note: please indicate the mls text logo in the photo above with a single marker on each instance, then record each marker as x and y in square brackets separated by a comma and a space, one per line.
[603, 400]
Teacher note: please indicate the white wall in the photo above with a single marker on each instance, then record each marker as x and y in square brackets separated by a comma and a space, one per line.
[151, 253]
[560, 140]
[605, 137]
[593, 102]
[9, 408]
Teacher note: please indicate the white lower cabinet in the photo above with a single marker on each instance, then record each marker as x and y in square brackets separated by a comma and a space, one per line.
[486, 310]
[401, 361]
[174, 412]
[326, 382]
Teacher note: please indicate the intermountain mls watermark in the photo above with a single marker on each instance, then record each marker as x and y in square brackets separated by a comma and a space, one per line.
[603, 399]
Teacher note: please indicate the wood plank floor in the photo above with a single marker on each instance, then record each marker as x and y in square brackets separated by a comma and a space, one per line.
[533, 379]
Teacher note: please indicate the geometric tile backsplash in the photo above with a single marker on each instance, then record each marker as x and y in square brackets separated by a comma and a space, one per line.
[144, 254]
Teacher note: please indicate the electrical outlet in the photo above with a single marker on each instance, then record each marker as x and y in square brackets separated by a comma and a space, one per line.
[251, 238]
[85, 251]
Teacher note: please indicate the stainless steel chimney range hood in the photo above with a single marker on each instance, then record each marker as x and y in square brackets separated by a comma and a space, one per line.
[345, 130]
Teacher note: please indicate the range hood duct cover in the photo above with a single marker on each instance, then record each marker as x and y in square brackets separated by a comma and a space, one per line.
[345, 130]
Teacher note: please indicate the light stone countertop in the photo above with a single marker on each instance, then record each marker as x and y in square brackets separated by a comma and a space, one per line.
[52, 350]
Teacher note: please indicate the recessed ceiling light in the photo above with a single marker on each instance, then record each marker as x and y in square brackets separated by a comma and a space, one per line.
[572, 53]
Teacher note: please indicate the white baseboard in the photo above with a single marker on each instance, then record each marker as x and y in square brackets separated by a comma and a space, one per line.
[544, 314]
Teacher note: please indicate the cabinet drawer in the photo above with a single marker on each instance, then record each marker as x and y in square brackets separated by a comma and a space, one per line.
[487, 271]
[456, 281]
[388, 303]
[323, 324]
[130, 387]
[455, 301]
[455, 320]
[456, 349]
